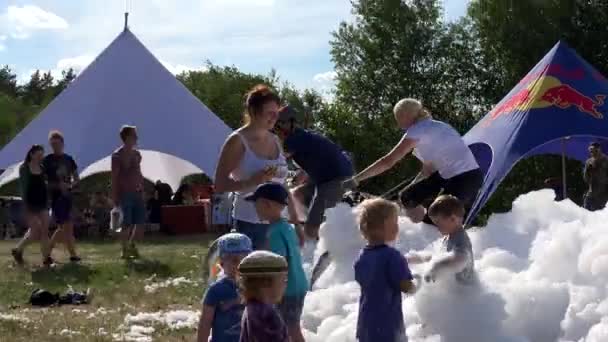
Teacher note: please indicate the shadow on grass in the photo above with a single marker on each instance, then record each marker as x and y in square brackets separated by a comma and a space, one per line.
[62, 275]
[149, 267]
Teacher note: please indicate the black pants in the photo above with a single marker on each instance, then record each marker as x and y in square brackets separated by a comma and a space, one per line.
[465, 186]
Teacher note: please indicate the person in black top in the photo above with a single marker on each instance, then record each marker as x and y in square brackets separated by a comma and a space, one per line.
[164, 192]
[325, 163]
[34, 194]
[62, 175]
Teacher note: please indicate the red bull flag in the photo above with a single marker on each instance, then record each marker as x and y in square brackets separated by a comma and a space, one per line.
[558, 107]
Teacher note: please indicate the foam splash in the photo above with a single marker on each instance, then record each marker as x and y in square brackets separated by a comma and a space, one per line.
[152, 288]
[543, 269]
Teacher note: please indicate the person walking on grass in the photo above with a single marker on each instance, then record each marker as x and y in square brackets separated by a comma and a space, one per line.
[127, 189]
[34, 194]
[62, 175]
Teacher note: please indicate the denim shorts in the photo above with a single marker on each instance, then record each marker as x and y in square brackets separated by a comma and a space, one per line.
[61, 206]
[291, 309]
[133, 209]
[257, 232]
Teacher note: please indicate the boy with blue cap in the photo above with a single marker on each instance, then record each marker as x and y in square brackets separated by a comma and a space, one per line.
[270, 201]
[222, 308]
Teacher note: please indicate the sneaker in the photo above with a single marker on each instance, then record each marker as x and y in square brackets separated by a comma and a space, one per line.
[134, 253]
[75, 259]
[48, 262]
[17, 255]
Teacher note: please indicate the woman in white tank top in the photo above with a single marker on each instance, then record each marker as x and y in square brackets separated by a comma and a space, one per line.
[448, 165]
[251, 156]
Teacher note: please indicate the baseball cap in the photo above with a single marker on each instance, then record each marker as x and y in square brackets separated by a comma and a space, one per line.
[260, 263]
[234, 243]
[270, 191]
[288, 113]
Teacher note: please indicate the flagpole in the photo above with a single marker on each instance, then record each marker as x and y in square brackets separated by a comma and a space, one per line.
[564, 184]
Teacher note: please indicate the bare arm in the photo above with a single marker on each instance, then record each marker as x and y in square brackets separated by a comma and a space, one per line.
[385, 163]
[204, 325]
[417, 258]
[453, 262]
[115, 177]
[230, 156]
[407, 286]
[587, 172]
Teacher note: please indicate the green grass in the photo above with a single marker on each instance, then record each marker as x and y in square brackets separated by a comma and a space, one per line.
[117, 287]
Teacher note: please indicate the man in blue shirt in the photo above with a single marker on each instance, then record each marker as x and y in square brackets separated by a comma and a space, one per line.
[324, 162]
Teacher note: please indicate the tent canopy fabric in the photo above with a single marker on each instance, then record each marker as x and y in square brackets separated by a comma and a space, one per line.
[126, 84]
[558, 108]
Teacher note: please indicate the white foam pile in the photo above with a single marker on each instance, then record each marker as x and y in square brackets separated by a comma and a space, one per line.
[13, 318]
[543, 268]
[138, 327]
[153, 287]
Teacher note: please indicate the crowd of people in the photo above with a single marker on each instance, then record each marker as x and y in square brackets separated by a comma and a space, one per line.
[261, 258]
[261, 294]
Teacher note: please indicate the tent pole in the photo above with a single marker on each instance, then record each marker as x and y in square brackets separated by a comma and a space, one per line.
[564, 184]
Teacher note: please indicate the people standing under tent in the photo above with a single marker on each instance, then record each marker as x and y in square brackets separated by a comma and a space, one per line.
[596, 177]
[62, 176]
[448, 164]
[252, 155]
[127, 189]
[326, 165]
[35, 199]
[165, 193]
[183, 195]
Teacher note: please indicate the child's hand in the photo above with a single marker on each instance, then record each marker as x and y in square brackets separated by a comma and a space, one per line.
[431, 275]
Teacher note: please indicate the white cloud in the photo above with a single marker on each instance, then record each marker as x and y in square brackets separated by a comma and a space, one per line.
[325, 83]
[77, 63]
[20, 22]
[325, 77]
[177, 69]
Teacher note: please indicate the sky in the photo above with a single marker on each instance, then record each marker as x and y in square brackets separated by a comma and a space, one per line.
[291, 36]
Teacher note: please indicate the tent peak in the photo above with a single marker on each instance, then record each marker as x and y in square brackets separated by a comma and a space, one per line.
[126, 21]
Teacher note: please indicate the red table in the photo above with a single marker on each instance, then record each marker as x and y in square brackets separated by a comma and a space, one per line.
[187, 219]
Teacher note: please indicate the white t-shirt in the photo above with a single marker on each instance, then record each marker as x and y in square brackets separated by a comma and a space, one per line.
[442, 146]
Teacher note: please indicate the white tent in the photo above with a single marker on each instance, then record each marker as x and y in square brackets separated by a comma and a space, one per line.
[126, 84]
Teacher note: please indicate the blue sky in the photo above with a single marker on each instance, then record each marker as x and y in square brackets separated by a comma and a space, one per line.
[255, 35]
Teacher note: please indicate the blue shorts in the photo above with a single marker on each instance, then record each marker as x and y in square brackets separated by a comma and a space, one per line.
[133, 209]
[291, 309]
[257, 232]
[61, 207]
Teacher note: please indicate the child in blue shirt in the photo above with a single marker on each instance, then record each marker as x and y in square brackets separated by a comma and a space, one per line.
[222, 308]
[383, 274]
[270, 201]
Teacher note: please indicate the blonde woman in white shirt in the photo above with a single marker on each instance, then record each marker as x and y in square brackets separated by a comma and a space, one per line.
[448, 165]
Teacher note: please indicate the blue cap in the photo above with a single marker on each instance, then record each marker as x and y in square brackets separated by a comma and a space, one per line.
[270, 191]
[234, 243]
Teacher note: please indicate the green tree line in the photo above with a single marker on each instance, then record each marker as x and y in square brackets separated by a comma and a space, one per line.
[388, 50]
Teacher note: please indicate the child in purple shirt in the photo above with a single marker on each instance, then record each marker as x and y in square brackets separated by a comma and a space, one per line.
[263, 279]
[383, 274]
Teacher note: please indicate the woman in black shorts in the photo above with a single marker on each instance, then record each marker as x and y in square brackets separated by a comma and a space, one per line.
[448, 165]
[35, 201]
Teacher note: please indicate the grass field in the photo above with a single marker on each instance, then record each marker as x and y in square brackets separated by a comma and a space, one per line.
[121, 290]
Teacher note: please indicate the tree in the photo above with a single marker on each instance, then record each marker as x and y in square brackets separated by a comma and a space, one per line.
[223, 90]
[67, 76]
[395, 49]
[8, 81]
